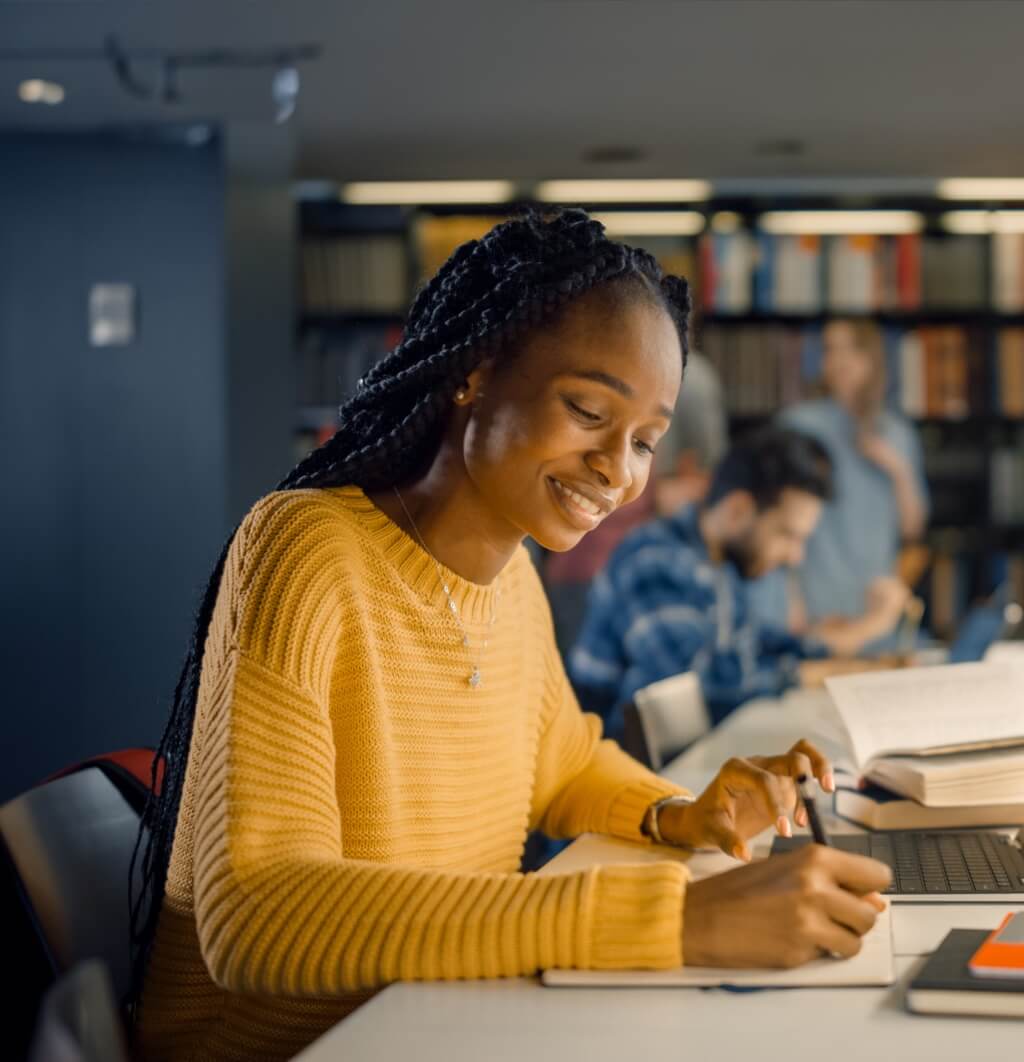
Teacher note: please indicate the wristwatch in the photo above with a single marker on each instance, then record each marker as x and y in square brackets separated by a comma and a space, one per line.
[650, 823]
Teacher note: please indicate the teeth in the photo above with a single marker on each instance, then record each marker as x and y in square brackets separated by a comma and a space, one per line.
[584, 503]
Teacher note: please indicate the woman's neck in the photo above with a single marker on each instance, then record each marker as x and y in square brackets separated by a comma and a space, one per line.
[859, 411]
[445, 513]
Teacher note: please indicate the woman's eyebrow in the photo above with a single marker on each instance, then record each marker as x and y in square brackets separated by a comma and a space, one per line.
[615, 383]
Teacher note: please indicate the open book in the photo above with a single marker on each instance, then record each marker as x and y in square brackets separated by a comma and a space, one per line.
[949, 735]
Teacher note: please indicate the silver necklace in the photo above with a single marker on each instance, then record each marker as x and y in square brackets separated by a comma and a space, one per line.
[475, 677]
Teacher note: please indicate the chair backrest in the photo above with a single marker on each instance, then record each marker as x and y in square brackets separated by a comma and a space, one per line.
[70, 842]
[79, 1019]
[672, 714]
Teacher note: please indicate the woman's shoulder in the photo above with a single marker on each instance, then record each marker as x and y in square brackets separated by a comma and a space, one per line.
[287, 534]
[289, 512]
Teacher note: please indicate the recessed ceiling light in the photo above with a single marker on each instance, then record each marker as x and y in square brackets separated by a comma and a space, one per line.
[981, 188]
[390, 193]
[36, 90]
[982, 222]
[623, 191]
[652, 223]
[840, 222]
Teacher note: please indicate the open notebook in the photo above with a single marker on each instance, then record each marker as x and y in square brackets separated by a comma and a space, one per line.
[873, 966]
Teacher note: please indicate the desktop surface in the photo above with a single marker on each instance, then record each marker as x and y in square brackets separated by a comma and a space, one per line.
[519, 1018]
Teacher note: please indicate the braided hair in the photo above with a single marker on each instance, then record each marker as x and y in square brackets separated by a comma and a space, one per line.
[487, 298]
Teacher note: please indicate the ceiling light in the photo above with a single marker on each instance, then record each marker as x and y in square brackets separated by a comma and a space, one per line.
[652, 223]
[416, 192]
[37, 91]
[981, 188]
[983, 222]
[840, 222]
[624, 191]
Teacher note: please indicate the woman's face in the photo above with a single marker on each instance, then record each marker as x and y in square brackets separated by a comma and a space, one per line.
[562, 434]
[846, 369]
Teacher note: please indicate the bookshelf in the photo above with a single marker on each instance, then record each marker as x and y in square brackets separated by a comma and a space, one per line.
[950, 305]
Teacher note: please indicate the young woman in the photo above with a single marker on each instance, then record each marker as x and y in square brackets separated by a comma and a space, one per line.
[373, 713]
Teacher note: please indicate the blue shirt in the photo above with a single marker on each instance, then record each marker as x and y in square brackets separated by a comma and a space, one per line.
[662, 607]
[858, 537]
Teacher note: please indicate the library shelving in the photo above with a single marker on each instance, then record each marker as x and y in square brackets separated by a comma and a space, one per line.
[950, 306]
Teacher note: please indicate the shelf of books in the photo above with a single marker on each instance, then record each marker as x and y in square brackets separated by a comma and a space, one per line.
[950, 306]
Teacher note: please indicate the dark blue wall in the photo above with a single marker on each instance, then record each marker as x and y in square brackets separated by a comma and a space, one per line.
[122, 469]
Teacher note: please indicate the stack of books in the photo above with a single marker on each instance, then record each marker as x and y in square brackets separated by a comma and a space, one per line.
[931, 748]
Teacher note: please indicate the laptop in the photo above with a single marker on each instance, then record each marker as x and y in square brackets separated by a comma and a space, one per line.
[996, 619]
[939, 866]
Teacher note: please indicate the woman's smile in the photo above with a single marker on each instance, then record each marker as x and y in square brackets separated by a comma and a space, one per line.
[581, 510]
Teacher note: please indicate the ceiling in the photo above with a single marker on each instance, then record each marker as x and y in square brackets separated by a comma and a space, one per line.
[705, 89]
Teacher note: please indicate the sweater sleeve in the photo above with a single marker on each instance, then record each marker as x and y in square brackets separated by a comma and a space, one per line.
[586, 784]
[280, 908]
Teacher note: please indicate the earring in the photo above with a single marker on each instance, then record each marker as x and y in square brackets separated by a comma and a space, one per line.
[460, 395]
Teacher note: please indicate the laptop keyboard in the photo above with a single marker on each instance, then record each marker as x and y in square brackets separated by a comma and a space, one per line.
[948, 862]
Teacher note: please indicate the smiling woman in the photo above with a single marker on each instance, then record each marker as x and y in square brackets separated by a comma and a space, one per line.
[373, 713]
[549, 441]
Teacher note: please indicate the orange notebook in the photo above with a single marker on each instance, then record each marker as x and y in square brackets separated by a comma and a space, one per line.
[1002, 954]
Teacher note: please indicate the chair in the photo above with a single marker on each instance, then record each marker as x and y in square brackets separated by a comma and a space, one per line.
[664, 717]
[66, 851]
[79, 1019]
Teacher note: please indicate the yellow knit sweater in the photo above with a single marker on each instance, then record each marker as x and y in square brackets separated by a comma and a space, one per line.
[354, 812]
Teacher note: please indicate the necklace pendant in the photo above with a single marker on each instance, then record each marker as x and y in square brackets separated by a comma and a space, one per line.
[475, 678]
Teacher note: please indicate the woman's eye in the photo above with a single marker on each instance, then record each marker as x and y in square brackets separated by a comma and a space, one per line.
[583, 414]
[644, 448]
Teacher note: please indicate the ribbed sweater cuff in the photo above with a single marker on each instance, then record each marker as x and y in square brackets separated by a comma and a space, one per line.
[636, 917]
[626, 813]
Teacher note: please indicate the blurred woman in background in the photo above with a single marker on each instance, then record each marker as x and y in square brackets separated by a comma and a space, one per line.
[881, 497]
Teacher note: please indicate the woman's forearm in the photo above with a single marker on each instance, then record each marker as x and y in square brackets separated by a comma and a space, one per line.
[846, 636]
[909, 502]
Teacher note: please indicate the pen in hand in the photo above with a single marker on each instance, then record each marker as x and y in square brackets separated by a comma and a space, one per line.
[803, 786]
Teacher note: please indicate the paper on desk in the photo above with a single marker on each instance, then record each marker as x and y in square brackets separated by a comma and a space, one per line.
[592, 849]
[872, 966]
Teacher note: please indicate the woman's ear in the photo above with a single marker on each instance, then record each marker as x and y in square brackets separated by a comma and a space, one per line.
[471, 390]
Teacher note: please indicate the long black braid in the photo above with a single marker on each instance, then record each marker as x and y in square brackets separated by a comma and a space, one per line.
[490, 294]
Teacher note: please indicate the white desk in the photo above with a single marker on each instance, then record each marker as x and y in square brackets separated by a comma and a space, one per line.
[521, 1021]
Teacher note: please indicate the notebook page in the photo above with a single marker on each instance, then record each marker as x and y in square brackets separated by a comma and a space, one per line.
[921, 709]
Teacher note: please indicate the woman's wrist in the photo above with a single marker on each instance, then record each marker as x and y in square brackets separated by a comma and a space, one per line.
[675, 822]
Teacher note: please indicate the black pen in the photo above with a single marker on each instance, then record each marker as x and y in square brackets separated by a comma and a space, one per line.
[803, 787]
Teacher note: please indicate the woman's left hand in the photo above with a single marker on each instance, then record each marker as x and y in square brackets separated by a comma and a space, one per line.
[881, 452]
[746, 797]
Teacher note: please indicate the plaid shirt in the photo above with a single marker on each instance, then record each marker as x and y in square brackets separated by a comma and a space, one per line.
[662, 607]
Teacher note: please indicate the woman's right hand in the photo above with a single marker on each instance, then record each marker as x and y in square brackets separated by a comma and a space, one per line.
[783, 911]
